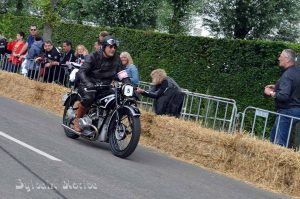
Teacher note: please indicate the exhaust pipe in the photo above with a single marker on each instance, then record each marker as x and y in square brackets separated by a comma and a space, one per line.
[70, 129]
[93, 138]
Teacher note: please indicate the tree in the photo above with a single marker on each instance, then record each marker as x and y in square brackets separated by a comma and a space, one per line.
[175, 16]
[3, 6]
[252, 19]
[75, 10]
[180, 13]
[124, 13]
[19, 7]
[49, 12]
[16, 7]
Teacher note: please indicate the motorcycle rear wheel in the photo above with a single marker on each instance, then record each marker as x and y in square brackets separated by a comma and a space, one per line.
[124, 133]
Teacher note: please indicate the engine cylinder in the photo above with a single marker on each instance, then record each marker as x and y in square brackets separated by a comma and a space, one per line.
[85, 122]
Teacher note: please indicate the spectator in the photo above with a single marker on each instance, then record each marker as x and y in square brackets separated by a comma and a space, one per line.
[81, 53]
[68, 56]
[97, 45]
[34, 51]
[15, 58]
[2, 45]
[286, 94]
[166, 92]
[130, 68]
[51, 58]
[31, 38]
[102, 35]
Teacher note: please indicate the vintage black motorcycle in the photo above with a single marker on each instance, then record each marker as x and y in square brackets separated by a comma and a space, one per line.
[114, 118]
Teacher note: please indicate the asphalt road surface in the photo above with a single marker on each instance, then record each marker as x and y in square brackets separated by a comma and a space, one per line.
[37, 161]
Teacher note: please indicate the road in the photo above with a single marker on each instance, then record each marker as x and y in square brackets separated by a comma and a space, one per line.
[39, 161]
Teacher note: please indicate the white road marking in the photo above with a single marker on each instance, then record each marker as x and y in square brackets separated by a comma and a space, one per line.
[29, 147]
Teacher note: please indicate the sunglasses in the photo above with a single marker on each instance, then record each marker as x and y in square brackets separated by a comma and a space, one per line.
[33, 29]
[112, 46]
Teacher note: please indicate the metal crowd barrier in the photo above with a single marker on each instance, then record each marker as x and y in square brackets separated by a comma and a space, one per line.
[210, 111]
[56, 74]
[145, 103]
[259, 122]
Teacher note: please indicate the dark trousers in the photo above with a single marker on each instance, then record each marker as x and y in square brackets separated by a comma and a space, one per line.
[55, 74]
[32, 74]
[87, 98]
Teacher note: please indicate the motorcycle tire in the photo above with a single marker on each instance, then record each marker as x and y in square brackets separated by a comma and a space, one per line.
[119, 126]
[68, 133]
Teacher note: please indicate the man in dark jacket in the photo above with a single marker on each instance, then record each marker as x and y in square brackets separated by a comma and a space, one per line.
[69, 53]
[2, 44]
[100, 67]
[67, 57]
[286, 94]
[51, 58]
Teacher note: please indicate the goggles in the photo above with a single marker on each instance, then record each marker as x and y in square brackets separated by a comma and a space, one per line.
[113, 42]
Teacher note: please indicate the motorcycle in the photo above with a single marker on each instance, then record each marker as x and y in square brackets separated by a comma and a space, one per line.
[114, 119]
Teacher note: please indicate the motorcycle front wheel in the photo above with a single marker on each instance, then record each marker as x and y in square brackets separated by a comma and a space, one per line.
[124, 133]
[67, 120]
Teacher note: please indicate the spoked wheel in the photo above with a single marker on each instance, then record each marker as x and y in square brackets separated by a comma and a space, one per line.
[124, 133]
[68, 117]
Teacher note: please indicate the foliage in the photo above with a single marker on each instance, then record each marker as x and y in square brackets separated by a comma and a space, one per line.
[175, 16]
[13, 6]
[253, 19]
[169, 15]
[236, 69]
[128, 13]
[76, 10]
[181, 13]
[49, 11]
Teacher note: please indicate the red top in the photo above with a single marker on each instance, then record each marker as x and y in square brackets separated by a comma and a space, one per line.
[15, 47]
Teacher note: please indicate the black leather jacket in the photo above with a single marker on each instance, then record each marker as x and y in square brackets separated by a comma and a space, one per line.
[168, 97]
[2, 46]
[99, 69]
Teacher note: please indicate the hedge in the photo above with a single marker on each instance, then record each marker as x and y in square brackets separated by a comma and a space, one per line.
[237, 69]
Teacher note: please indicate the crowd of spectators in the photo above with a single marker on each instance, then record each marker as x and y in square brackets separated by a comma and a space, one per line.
[41, 60]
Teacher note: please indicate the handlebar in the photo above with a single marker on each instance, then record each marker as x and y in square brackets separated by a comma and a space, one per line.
[96, 87]
[71, 65]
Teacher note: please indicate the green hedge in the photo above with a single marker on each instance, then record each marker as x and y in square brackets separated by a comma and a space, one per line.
[237, 69]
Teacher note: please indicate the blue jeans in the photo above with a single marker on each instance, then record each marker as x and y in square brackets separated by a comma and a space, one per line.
[283, 126]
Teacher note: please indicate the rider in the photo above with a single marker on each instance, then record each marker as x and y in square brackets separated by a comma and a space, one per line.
[100, 67]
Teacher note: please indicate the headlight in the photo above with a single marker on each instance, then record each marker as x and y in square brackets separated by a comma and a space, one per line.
[127, 90]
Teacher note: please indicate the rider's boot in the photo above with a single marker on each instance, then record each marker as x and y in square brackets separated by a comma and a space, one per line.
[79, 113]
